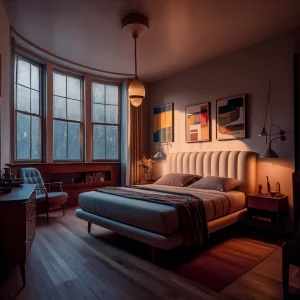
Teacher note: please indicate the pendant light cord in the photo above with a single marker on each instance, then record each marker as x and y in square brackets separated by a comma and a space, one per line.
[135, 38]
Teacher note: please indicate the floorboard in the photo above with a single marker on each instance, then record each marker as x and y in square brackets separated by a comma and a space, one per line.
[68, 263]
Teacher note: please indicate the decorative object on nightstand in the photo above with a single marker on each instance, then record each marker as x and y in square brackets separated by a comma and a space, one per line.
[270, 137]
[268, 185]
[259, 190]
[146, 164]
[266, 207]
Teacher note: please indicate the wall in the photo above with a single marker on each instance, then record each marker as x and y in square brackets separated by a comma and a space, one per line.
[4, 98]
[244, 72]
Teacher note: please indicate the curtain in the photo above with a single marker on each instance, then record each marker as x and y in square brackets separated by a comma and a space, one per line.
[134, 143]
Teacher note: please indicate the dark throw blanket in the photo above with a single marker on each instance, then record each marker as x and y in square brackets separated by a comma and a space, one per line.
[190, 209]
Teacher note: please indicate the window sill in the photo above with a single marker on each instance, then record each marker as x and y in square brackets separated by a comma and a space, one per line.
[16, 164]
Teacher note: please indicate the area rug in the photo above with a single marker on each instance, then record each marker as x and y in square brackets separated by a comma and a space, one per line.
[223, 263]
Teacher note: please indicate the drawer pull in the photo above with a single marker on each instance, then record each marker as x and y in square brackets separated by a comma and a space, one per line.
[33, 205]
[30, 220]
[28, 240]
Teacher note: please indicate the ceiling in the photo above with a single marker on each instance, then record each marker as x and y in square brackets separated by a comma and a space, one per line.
[183, 33]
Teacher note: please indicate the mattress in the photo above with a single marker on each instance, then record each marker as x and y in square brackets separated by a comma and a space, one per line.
[158, 218]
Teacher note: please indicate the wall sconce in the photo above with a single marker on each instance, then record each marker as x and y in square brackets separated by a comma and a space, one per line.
[270, 153]
[158, 154]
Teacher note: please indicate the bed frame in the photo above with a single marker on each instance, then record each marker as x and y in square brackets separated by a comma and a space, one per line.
[235, 164]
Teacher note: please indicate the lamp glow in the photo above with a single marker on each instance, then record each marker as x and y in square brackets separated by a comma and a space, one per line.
[136, 92]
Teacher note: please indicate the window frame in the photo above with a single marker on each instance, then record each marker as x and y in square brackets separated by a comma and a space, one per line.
[42, 115]
[119, 86]
[81, 122]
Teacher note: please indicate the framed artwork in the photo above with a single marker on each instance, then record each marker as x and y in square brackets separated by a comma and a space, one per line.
[197, 123]
[163, 123]
[231, 118]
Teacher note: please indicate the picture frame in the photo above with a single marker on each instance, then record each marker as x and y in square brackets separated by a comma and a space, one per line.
[163, 123]
[231, 122]
[198, 123]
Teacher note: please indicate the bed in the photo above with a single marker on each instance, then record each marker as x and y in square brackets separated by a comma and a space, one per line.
[156, 224]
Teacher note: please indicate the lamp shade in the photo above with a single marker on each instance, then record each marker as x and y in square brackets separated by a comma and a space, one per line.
[263, 133]
[269, 153]
[158, 155]
[136, 92]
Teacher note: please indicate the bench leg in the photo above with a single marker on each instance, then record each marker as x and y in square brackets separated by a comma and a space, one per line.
[89, 227]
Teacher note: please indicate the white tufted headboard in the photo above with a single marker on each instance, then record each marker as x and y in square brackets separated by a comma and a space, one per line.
[235, 164]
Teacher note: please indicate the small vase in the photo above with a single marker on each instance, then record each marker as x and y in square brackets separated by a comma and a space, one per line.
[147, 174]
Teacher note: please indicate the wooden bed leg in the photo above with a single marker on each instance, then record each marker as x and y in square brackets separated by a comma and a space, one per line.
[89, 227]
[153, 254]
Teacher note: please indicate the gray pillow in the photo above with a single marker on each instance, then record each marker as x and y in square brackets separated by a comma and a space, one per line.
[222, 184]
[178, 179]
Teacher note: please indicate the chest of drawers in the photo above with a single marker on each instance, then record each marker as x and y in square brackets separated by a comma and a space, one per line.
[17, 226]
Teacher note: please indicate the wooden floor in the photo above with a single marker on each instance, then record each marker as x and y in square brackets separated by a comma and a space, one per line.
[68, 263]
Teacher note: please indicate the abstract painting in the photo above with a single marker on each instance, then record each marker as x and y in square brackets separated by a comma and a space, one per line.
[197, 123]
[163, 123]
[231, 118]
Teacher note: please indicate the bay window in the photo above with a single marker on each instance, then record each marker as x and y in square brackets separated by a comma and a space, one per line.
[50, 120]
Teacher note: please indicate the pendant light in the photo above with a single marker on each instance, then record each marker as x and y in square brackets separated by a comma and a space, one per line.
[135, 25]
[270, 137]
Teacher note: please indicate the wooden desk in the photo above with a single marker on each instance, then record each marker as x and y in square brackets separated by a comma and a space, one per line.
[17, 226]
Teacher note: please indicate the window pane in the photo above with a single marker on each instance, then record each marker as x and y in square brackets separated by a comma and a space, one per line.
[35, 77]
[35, 102]
[99, 142]
[98, 113]
[73, 87]
[74, 141]
[74, 110]
[98, 93]
[23, 72]
[111, 95]
[23, 98]
[23, 136]
[36, 137]
[111, 114]
[59, 107]
[59, 84]
[112, 140]
[59, 139]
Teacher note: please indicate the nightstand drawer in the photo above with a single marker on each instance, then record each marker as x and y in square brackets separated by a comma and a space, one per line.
[263, 203]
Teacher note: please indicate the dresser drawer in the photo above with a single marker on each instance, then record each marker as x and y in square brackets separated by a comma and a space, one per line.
[29, 241]
[30, 205]
[263, 203]
[30, 222]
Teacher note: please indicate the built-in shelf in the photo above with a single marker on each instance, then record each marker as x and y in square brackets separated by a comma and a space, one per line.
[79, 173]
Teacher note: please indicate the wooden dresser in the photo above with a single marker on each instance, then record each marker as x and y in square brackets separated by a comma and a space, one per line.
[17, 226]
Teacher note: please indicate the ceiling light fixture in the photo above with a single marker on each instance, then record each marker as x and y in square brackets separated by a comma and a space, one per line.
[135, 25]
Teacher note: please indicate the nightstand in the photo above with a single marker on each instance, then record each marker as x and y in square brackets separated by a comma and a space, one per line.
[149, 180]
[267, 207]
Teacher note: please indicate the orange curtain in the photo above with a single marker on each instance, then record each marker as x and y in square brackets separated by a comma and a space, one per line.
[134, 143]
